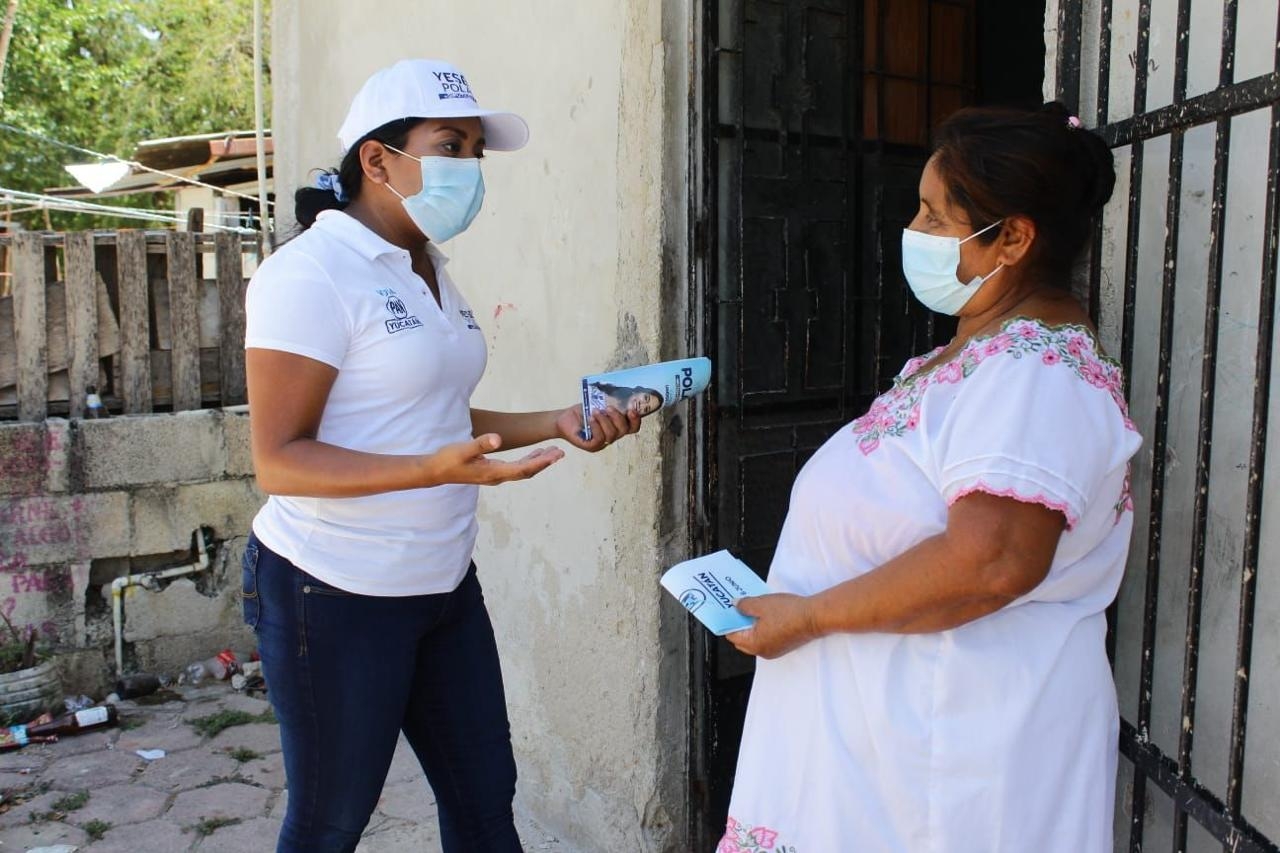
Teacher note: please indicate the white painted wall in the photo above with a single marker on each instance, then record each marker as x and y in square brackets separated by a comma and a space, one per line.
[564, 267]
[1232, 416]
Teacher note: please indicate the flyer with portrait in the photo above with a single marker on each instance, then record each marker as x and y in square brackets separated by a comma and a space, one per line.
[643, 390]
[708, 586]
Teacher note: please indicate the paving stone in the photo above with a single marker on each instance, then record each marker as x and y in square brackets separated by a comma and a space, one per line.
[156, 836]
[262, 738]
[404, 765]
[82, 772]
[12, 783]
[24, 812]
[228, 800]
[45, 834]
[257, 834]
[120, 805]
[248, 704]
[267, 771]
[33, 758]
[183, 771]
[169, 733]
[281, 805]
[408, 801]
[99, 741]
[421, 838]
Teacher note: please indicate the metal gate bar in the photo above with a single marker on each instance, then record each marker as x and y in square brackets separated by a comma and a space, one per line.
[1223, 820]
[1208, 379]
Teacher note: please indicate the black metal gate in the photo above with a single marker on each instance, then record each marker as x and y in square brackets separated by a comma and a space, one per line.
[814, 121]
[1175, 387]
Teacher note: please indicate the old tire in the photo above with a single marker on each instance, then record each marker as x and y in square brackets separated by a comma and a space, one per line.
[28, 693]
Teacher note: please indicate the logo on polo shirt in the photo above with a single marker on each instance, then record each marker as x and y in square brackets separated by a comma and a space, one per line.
[400, 317]
[453, 85]
[470, 318]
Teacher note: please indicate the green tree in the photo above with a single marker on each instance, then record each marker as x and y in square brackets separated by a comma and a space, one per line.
[107, 74]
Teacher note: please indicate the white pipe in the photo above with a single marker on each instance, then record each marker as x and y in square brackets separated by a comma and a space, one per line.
[264, 212]
[148, 580]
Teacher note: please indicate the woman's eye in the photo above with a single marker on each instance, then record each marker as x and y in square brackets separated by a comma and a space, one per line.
[453, 149]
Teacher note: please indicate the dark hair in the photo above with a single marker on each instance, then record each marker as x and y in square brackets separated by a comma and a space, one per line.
[308, 202]
[1041, 164]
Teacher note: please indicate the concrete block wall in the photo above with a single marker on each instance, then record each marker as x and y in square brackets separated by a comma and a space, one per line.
[83, 502]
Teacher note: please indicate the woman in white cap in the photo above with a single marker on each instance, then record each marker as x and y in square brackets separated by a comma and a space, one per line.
[362, 357]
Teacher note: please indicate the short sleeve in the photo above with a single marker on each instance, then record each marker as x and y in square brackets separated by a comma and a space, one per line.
[1038, 429]
[291, 305]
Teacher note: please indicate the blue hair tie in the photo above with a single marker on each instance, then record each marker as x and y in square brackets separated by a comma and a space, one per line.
[329, 181]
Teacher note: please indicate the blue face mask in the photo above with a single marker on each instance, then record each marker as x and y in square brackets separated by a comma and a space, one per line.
[451, 195]
[931, 264]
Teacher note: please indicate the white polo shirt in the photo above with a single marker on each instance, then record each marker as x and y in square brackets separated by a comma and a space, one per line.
[407, 366]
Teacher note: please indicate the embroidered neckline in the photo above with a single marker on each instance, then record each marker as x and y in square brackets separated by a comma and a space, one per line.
[897, 411]
[911, 370]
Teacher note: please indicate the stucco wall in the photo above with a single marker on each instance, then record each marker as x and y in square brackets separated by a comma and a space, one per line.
[1232, 430]
[566, 267]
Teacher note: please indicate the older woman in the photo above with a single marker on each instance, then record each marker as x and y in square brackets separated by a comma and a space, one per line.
[933, 673]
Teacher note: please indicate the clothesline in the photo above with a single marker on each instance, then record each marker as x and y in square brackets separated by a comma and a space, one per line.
[38, 201]
[131, 163]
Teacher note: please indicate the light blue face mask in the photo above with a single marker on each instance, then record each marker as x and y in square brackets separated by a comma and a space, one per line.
[931, 264]
[451, 195]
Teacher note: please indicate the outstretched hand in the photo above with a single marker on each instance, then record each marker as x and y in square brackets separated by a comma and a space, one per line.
[466, 462]
[784, 623]
[606, 427]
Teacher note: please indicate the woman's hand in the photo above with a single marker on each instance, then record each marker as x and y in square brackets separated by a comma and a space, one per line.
[606, 427]
[784, 622]
[465, 462]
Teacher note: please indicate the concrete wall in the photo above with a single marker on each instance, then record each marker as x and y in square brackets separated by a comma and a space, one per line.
[1232, 431]
[82, 502]
[573, 266]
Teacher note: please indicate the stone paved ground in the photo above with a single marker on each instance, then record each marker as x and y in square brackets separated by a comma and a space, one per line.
[220, 794]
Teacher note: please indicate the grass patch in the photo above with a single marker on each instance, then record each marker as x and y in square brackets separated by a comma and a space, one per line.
[210, 825]
[71, 802]
[223, 720]
[243, 754]
[95, 829]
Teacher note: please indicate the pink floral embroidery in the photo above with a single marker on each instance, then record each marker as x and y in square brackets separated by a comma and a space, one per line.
[741, 838]
[1125, 504]
[897, 411]
[1038, 498]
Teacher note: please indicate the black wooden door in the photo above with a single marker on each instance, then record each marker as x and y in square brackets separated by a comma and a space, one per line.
[816, 118]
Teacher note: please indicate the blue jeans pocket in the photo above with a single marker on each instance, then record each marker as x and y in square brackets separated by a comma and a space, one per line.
[250, 601]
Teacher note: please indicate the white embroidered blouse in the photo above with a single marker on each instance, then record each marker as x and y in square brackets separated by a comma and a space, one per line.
[999, 735]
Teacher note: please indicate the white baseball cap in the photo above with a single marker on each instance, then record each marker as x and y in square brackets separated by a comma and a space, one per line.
[426, 88]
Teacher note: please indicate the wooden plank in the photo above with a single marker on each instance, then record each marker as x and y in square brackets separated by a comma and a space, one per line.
[82, 319]
[162, 394]
[231, 287]
[108, 334]
[184, 321]
[135, 327]
[30, 332]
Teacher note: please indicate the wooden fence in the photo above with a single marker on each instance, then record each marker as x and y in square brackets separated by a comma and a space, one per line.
[128, 312]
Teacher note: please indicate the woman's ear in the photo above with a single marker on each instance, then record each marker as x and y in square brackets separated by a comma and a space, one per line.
[373, 155]
[1017, 236]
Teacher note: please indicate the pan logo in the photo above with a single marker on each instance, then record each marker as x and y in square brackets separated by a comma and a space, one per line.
[400, 317]
[692, 599]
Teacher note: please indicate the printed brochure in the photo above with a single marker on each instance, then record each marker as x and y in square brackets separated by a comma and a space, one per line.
[643, 389]
[708, 586]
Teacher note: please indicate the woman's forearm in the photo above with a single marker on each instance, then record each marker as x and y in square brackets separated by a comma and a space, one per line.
[305, 467]
[518, 429]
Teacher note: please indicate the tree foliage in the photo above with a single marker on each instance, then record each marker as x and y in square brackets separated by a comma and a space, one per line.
[108, 74]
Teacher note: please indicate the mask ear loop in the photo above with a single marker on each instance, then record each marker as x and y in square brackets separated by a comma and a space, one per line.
[983, 279]
[405, 154]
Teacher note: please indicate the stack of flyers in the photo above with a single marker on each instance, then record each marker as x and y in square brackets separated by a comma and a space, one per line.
[643, 390]
[708, 587]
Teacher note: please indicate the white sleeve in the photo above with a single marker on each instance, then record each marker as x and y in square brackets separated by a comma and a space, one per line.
[292, 305]
[1037, 431]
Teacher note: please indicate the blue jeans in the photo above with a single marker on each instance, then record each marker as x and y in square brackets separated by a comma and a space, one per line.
[347, 673]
